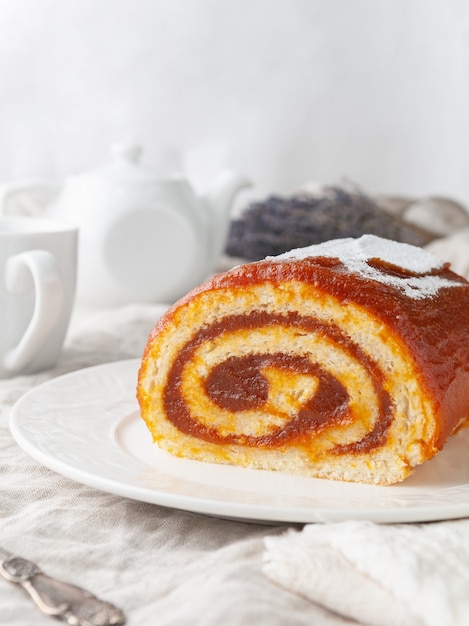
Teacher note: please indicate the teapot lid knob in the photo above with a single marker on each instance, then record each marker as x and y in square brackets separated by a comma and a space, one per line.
[124, 151]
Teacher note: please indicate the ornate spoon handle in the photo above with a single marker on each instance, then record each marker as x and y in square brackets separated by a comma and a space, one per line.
[58, 599]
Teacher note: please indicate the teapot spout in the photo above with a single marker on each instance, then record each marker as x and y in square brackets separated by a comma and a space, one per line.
[220, 199]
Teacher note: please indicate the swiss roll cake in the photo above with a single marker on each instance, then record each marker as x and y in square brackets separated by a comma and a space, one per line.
[346, 360]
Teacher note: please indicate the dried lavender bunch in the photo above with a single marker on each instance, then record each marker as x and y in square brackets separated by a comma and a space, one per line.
[278, 224]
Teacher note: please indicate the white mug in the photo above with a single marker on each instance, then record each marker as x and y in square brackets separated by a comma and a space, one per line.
[38, 267]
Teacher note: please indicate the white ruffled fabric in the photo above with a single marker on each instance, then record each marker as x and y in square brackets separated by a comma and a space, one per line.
[396, 575]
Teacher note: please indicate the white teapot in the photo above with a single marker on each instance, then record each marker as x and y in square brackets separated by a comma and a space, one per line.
[143, 237]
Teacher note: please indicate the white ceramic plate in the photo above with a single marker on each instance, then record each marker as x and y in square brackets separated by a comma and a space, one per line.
[86, 426]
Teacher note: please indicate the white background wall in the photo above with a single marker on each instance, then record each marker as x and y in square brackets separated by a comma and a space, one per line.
[376, 91]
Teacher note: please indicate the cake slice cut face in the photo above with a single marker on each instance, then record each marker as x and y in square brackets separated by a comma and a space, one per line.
[348, 360]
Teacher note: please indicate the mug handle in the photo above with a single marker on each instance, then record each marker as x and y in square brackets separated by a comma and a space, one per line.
[41, 266]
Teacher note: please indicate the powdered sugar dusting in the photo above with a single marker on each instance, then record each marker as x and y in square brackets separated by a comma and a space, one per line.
[354, 254]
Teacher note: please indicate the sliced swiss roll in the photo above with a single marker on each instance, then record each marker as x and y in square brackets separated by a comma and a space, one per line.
[347, 360]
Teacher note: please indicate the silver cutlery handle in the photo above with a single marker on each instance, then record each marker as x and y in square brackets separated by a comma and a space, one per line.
[58, 599]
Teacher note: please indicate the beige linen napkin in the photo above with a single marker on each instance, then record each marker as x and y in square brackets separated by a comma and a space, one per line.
[401, 575]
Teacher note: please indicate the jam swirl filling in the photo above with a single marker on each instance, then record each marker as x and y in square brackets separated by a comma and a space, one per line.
[239, 384]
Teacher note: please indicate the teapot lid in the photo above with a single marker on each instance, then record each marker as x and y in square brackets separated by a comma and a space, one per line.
[124, 166]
